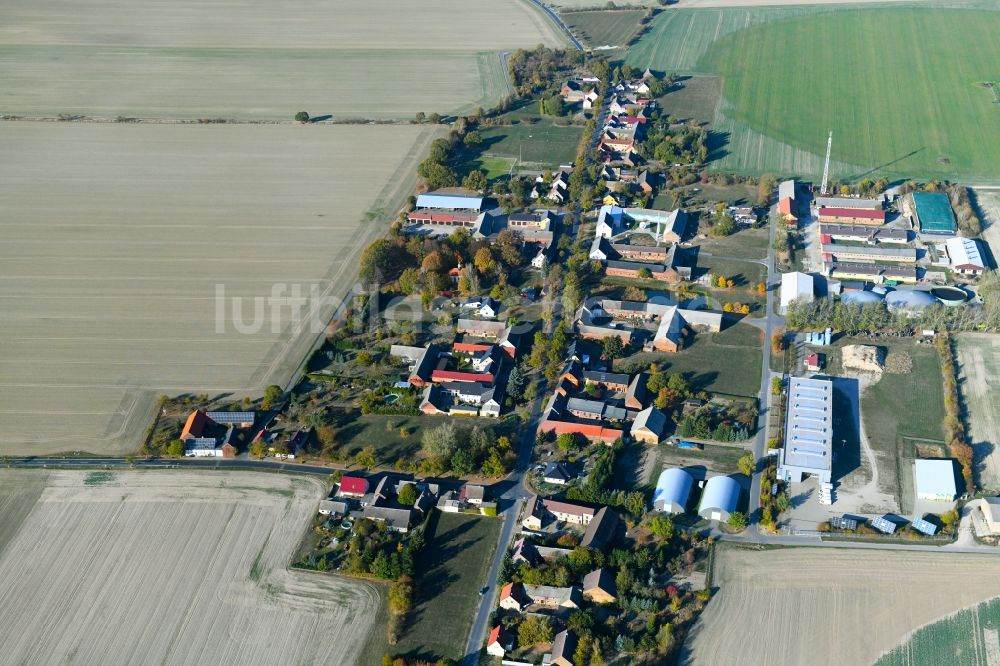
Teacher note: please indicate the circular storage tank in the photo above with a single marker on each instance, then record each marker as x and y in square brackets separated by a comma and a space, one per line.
[908, 299]
[950, 296]
[860, 297]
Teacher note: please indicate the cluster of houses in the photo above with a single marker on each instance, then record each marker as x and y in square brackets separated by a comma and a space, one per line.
[626, 120]
[213, 434]
[556, 190]
[466, 379]
[597, 587]
[377, 499]
[441, 213]
[624, 403]
[581, 90]
[601, 318]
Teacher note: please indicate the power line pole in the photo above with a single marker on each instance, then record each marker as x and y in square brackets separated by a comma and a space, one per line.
[826, 167]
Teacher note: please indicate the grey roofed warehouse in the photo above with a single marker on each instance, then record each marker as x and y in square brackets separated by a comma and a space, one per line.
[808, 446]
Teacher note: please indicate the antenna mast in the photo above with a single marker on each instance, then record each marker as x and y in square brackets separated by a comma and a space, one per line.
[826, 167]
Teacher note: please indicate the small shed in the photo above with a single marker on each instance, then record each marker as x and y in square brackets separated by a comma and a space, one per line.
[673, 489]
[721, 496]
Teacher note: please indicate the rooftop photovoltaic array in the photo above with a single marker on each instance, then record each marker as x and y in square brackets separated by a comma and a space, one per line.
[883, 525]
[924, 527]
[231, 417]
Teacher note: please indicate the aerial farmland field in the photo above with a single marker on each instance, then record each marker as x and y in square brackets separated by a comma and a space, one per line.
[886, 74]
[811, 605]
[970, 637]
[244, 60]
[604, 28]
[118, 236]
[174, 568]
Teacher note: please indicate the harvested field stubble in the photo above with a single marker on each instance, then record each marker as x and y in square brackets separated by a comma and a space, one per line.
[811, 605]
[116, 238]
[174, 568]
[260, 60]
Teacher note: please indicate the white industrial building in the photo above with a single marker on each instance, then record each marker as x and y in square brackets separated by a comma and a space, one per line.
[673, 489]
[795, 286]
[720, 498]
[808, 449]
[935, 479]
[965, 256]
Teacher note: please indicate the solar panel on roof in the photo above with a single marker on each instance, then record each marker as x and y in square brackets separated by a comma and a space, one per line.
[883, 525]
[924, 527]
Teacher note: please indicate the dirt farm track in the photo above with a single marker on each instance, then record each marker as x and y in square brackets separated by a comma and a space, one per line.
[821, 606]
[118, 238]
[169, 568]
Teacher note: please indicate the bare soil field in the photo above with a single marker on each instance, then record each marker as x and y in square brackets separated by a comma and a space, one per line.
[117, 237]
[979, 376]
[189, 59]
[174, 568]
[812, 605]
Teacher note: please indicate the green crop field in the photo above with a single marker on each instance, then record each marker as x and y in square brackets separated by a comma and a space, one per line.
[605, 28]
[900, 87]
[967, 638]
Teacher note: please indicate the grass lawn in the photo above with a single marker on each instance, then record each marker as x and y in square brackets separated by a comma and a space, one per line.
[714, 457]
[902, 89]
[694, 98]
[604, 28]
[541, 144]
[746, 244]
[726, 363]
[452, 568]
[900, 411]
[356, 431]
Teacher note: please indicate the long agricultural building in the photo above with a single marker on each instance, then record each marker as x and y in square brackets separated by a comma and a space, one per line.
[861, 234]
[851, 216]
[868, 253]
[877, 273]
[808, 449]
[848, 202]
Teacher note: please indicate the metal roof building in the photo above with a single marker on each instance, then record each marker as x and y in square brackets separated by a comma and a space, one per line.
[934, 213]
[786, 189]
[848, 202]
[449, 201]
[808, 446]
[935, 479]
[722, 494]
[795, 286]
[673, 489]
[965, 255]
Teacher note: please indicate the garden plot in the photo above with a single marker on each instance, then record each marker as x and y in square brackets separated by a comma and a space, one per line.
[117, 237]
[174, 568]
[823, 605]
